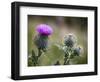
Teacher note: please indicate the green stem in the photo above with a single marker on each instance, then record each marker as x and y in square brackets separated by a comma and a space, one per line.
[67, 59]
[39, 52]
[35, 58]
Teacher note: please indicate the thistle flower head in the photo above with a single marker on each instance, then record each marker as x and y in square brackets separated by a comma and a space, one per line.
[77, 51]
[41, 42]
[69, 40]
[44, 29]
[41, 39]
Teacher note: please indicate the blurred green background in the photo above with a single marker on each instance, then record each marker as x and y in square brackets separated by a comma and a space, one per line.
[61, 26]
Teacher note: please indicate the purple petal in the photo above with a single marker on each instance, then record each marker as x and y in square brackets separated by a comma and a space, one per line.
[44, 29]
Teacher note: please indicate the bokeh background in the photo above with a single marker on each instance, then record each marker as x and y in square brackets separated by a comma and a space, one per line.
[61, 26]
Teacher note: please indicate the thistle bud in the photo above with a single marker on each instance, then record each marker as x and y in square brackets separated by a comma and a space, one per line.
[69, 40]
[77, 51]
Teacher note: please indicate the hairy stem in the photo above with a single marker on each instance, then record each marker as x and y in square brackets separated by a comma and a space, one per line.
[67, 59]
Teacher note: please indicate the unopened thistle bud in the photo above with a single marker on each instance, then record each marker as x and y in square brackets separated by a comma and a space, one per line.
[77, 51]
[69, 40]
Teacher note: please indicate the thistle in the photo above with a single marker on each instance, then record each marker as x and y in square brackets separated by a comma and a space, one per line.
[41, 39]
[69, 48]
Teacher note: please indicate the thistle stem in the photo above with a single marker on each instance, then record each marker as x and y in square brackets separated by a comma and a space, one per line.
[35, 58]
[67, 62]
[39, 53]
[67, 59]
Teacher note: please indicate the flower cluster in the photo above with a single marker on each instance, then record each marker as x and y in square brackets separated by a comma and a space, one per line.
[70, 48]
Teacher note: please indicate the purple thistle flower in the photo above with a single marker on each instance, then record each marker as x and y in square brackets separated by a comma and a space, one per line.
[41, 39]
[44, 29]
